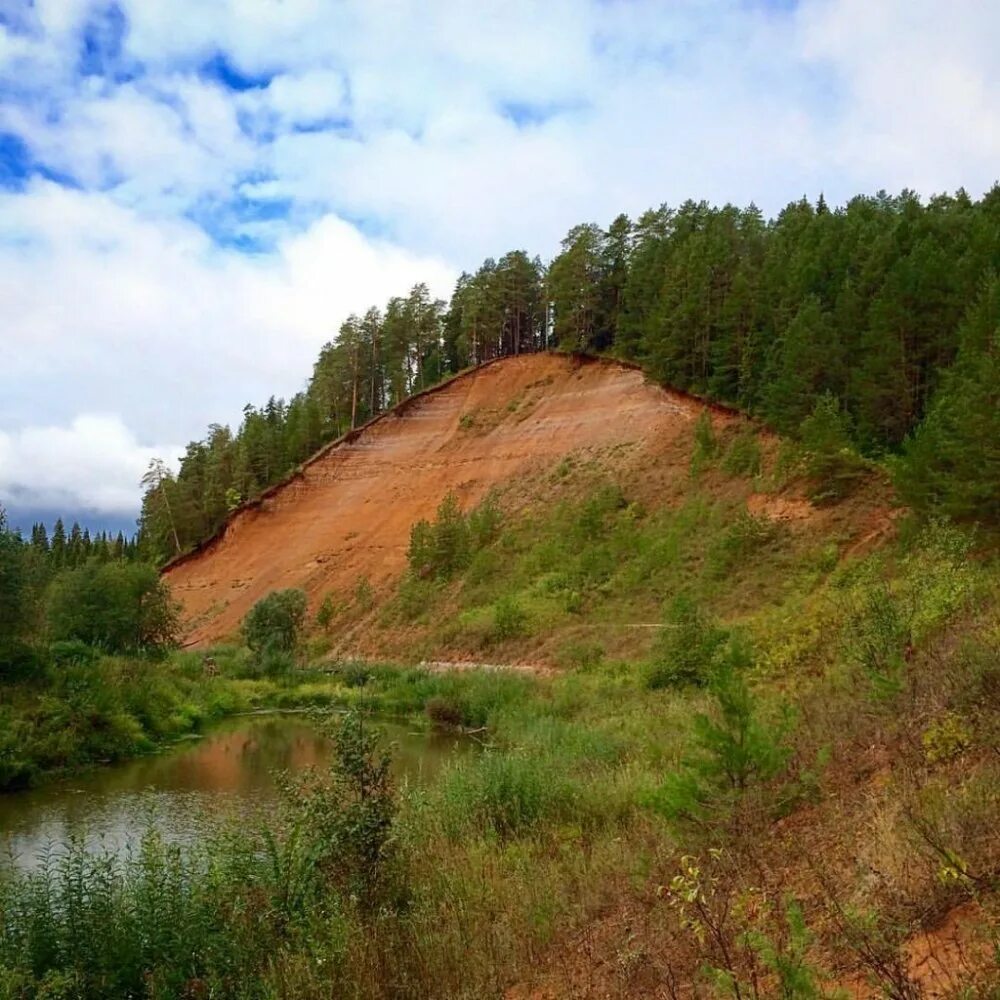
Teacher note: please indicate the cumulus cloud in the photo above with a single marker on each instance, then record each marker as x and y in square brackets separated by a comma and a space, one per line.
[195, 188]
[156, 322]
[94, 462]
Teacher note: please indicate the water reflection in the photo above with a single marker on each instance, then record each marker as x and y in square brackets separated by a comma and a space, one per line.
[190, 789]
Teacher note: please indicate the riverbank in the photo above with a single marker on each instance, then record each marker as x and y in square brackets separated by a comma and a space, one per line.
[95, 710]
[98, 710]
[791, 802]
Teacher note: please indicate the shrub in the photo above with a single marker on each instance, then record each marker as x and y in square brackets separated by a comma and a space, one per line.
[705, 443]
[687, 647]
[733, 748]
[828, 456]
[510, 620]
[484, 523]
[72, 651]
[364, 594]
[877, 638]
[274, 623]
[326, 612]
[445, 546]
[742, 457]
[745, 536]
[347, 816]
[945, 738]
[445, 712]
[117, 607]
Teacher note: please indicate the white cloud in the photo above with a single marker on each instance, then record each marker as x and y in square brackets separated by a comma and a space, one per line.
[95, 462]
[921, 89]
[305, 98]
[104, 308]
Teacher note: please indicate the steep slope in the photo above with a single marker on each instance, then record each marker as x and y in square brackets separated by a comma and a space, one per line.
[348, 515]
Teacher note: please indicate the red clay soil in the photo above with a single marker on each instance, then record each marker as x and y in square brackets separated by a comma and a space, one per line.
[348, 515]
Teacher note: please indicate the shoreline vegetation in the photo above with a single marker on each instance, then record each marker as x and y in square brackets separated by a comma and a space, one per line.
[788, 789]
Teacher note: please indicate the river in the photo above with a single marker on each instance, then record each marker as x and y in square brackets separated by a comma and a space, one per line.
[190, 788]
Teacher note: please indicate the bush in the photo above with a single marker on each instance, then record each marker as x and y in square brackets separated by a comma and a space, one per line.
[444, 712]
[484, 523]
[877, 638]
[117, 607]
[747, 535]
[364, 594]
[945, 738]
[733, 748]
[705, 444]
[72, 651]
[510, 620]
[326, 612]
[687, 648]
[346, 817]
[274, 623]
[445, 546]
[828, 456]
[742, 457]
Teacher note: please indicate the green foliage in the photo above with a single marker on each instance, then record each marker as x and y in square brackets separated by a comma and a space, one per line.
[485, 521]
[688, 647]
[117, 607]
[364, 594]
[787, 957]
[706, 445]
[945, 738]
[733, 748]
[745, 537]
[326, 612]
[863, 305]
[89, 925]
[14, 593]
[507, 794]
[274, 624]
[442, 548]
[347, 816]
[828, 457]
[510, 620]
[877, 638]
[951, 464]
[84, 707]
[742, 456]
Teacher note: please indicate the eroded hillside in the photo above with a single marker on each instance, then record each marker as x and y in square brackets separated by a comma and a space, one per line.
[348, 515]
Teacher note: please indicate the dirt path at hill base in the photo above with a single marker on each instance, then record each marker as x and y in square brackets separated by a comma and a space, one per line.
[348, 515]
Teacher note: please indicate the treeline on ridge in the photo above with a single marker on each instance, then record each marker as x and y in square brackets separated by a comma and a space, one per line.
[865, 307]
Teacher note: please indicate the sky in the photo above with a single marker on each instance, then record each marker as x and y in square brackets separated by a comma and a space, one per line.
[195, 194]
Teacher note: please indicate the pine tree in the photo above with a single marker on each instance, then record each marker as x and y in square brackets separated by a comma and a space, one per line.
[951, 465]
[57, 549]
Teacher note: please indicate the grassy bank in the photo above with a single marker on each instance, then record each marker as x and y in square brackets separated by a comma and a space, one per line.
[87, 709]
[787, 787]
[804, 816]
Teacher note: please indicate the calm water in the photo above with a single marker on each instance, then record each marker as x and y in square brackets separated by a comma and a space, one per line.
[191, 788]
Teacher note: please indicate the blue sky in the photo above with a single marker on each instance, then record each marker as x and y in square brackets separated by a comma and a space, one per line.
[194, 195]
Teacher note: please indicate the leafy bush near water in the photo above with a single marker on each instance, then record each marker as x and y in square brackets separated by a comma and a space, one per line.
[116, 607]
[274, 624]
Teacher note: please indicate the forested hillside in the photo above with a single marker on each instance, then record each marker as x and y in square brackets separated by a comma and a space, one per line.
[861, 309]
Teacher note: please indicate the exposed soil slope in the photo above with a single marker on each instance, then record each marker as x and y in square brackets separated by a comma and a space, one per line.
[348, 515]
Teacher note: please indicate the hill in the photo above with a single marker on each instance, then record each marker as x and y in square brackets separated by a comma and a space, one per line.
[347, 514]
